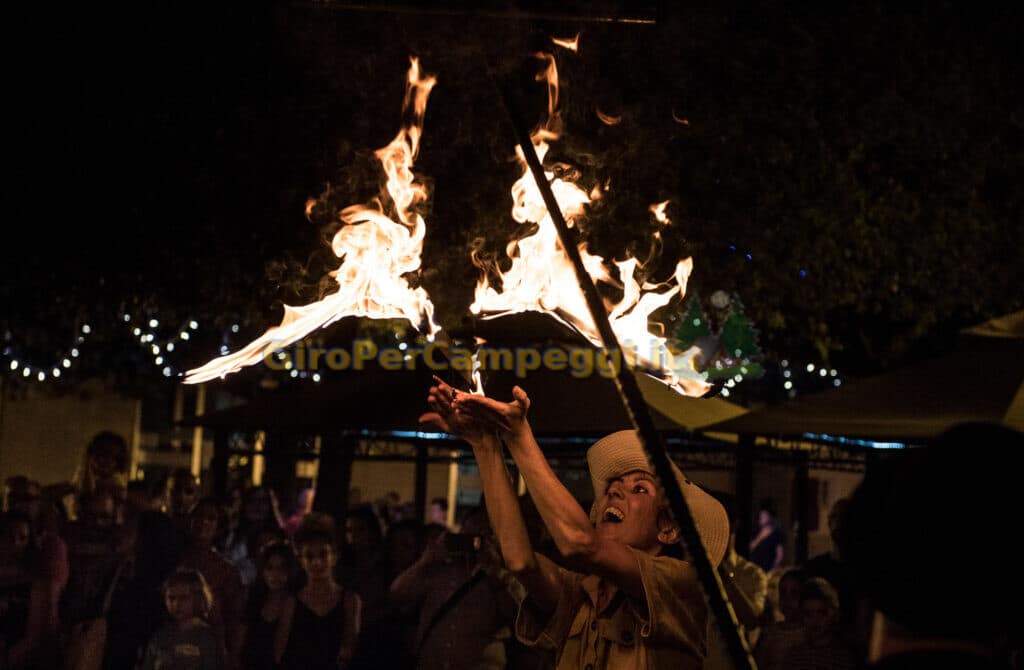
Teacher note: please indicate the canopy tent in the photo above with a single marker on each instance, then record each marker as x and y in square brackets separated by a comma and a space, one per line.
[386, 402]
[981, 379]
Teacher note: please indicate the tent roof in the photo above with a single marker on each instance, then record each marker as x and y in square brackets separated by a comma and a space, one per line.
[982, 379]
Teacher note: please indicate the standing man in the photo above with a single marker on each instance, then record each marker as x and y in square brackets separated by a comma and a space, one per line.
[631, 599]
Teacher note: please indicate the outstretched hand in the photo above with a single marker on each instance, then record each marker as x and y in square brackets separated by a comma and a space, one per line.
[445, 417]
[473, 417]
[505, 417]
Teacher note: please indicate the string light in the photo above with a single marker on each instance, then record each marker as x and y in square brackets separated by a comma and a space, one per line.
[147, 339]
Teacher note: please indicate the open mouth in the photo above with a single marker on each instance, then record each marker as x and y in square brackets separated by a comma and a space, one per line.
[614, 515]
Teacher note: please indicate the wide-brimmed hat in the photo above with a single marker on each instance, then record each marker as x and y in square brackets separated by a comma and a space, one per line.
[619, 453]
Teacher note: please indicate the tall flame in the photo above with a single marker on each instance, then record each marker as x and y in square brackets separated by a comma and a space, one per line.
[378, 244]
[541, 277]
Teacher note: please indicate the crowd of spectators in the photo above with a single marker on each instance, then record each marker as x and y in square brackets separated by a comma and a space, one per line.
[121, 575]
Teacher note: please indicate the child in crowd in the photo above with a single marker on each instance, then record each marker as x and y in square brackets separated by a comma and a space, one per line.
[318, 628]
[778, 637]
[821, 648]
[267, 598]
[187, 642]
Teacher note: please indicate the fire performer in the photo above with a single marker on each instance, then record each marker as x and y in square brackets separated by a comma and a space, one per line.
[633, 600]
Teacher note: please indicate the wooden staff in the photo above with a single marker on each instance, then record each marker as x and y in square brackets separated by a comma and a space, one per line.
[633, 399]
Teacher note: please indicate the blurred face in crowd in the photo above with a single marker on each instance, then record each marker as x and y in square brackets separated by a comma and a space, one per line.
[438, 514]
[817, 616]
[28, 502]
[18, 537]
[104, 462]
[258, 507]
[181, 602]
[764, 518]
[204, 524]
[318, 559]
[275, 573]
[356, 532]
[184, 494]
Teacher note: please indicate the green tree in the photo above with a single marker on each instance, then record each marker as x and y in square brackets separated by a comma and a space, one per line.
[694, 323]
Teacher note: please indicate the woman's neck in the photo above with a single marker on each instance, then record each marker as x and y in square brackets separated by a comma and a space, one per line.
[277, 596]
[190, 622]
[322, 583]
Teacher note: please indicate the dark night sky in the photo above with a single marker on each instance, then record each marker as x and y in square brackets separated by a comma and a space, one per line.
[146, 144]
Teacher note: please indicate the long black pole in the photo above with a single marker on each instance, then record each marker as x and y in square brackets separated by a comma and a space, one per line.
[634, 401]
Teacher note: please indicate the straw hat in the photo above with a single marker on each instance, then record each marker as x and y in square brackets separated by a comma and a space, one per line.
[619, 453]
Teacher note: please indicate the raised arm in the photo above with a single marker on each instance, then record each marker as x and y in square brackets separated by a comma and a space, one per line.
[568, 523]
[537, 573]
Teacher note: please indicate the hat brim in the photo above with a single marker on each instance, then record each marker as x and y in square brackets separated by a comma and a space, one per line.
[619, 453]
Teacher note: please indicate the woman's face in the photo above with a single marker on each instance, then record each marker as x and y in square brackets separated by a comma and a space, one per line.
[318, 559]
[103, 464]
[275, 573]
[817, 616]
[180, 602]
[19, 535]
[356, 532]
[257, 507]
[204, 524]
[184, 494]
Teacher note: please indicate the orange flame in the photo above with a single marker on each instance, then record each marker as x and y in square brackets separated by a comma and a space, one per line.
[572, 44]
[658, 209]
[609, 120]
[680, 120]
[541, 277]
[378, 244]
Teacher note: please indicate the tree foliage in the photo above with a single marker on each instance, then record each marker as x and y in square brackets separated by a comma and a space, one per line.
[849, 172]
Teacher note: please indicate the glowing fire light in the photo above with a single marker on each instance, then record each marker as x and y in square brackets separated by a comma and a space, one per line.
[378, 244]
[572, 44]
[680, 120]
[608, 119]
[541, 277]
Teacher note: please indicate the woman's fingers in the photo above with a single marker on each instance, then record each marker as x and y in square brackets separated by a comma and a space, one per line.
[483, 415]
[434, 419]
[520, 395]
